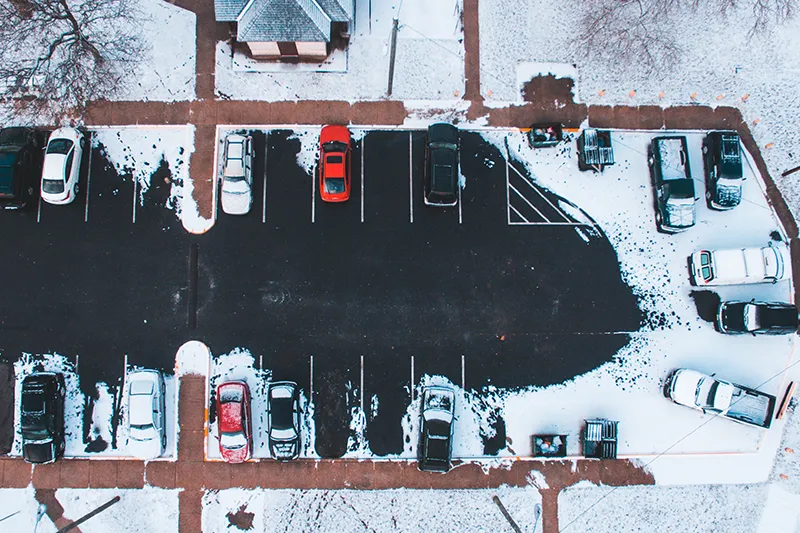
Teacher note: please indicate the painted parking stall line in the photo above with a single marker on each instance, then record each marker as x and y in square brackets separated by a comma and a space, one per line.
[135, 197]
[88, 179]
[313, 197]
[528, 205]
[410, 179]
[363, 144]
[264, 191]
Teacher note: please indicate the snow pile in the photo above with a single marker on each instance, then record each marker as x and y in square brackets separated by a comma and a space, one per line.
[429, 63]
[719, 65]
[728, 508]
[167, 73]
[192, 358]
[239, 365]
[150, 509]
[402, 510]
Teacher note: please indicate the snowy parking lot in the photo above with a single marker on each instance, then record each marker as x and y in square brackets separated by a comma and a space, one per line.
[544, 298]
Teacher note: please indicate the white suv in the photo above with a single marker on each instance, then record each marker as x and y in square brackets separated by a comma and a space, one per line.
[237, 174]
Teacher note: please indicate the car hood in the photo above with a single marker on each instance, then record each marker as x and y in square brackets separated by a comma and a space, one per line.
[238, 455]
[236, 202]
[54, 167]
[680, 213]
[44, 452]
[683, 389]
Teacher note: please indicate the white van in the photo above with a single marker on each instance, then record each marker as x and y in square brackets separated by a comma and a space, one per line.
[769, 264]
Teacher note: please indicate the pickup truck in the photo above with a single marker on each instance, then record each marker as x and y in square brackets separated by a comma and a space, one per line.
[769, 264]
[710, 395]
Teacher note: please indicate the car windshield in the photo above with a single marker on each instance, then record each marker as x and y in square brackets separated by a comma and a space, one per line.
[334, 185]
[233, 441]
[682, 189]
[59, 146]
[705, 266]
[33, 402]
[231, 394]
[334, 146]
[442, 402]
[706, 390]
[53, 186]
[37, 435]
[446, 146]
[281, 410]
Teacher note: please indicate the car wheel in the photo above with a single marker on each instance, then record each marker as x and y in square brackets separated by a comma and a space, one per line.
[708, 196]
[658, 219]
[83, 142]
[705, 149]
[76, 189]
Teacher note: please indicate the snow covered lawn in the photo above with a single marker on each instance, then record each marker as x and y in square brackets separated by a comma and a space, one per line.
[429, 63]
[168, 72]
[403, 510]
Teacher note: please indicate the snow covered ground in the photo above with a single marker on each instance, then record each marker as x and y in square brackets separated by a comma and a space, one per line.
[149, 509]
[107, 436]
[429, 62]
[719, 65]
[168, 72]
[403, 510]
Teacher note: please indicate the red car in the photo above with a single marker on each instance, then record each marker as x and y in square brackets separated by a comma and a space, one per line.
[334, 164]
[233, 414]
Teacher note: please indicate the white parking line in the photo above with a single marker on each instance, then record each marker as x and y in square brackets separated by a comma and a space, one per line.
[135, 193]
[361, 390]
[264, 194]
[410, 180]
[88, 180]
[363, 142]
[311, 378]
[565, 217]
[77, 362]
[527, 202]
[39, 208]
[463, 381]
[520, 216]
[313, 195]
[261, 362]
[412, 378]
[508, 200]
[459, 203]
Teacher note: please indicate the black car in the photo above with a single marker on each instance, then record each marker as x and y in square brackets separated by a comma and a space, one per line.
[20, 166]
[436, 434]
[441, 165]
[283, 420]
[674, 187]
[723, 164]
[757, 318]
[42, 417]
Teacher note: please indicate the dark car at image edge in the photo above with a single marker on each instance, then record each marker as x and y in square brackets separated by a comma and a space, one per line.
[20, 166]
[42, 417]
[765, 318]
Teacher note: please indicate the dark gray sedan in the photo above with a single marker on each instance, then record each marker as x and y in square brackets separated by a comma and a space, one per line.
[757, 318]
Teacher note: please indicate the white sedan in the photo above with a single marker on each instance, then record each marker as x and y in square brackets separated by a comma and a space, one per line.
[62, 166]
[144, 412]
[237, 175]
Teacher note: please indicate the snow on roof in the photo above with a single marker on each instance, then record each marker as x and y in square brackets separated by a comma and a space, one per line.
[284, 20]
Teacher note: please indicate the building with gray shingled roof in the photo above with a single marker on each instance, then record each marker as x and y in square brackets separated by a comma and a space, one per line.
[289, 30]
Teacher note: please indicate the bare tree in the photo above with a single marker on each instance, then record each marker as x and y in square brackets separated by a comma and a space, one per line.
[639, 31]
[58, 55]
[630, 31]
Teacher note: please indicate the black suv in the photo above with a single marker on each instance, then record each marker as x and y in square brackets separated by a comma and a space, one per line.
[757, 318]
[20, 166]
[283, 424]
[672, 178]
[441, 165]
[42, 417]
[436, 437]
[723, 162]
